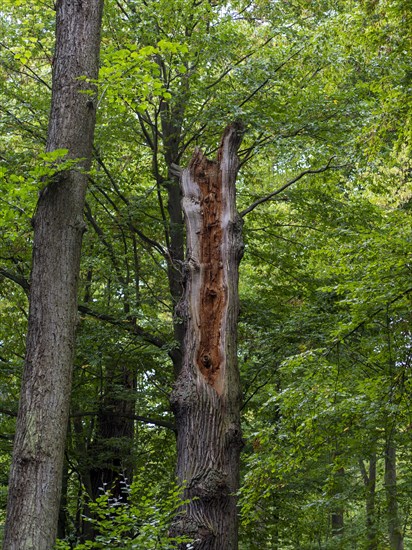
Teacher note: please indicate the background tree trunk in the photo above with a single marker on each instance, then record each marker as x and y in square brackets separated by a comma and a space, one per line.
[369, 480]
[337, 515]
[394, 523]
[112, 449]
[36, 473]
[206, 399]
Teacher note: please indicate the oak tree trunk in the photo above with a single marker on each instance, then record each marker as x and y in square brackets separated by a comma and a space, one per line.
[206, 398]
[36, 473]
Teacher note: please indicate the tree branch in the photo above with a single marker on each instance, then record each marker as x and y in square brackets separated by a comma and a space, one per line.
[107, 244]
[127, 324]
[145, 419]
[8, 412]
[285, 186]
[246, 56]
[363, 472]
[371, 316]
[256, 90]
[21, 281]
[108, 174]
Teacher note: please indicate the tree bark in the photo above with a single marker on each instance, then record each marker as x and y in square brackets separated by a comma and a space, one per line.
[36, 473]
[207, 396]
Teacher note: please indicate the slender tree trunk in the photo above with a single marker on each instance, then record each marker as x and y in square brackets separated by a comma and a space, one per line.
[36, 473]
[337, 522]
[84, 529]
[369, 480]
[337, 515]
[206, 398]
[394, 523]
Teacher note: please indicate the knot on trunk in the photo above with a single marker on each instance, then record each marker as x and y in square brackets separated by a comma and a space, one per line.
[233, 437]
[209, 485]
[199, 534]
[183, 397]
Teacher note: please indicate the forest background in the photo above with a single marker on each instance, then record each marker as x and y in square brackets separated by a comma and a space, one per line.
[323, 90]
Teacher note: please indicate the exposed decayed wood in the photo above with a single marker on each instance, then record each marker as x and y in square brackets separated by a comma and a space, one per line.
[206, 398]
[211, 299]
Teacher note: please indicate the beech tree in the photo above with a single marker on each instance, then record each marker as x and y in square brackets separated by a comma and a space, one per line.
[36, 474]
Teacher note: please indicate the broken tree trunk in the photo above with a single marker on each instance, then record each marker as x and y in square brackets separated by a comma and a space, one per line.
[206, 398]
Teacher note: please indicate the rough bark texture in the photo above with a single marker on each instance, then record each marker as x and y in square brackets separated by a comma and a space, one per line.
[206, 399]
[36, 474]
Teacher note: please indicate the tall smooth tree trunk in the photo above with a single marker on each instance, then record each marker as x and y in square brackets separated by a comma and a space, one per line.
[207, 396]
[36, 473]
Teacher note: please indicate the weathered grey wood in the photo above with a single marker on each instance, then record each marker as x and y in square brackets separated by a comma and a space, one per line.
[36, 474]
[207, 396]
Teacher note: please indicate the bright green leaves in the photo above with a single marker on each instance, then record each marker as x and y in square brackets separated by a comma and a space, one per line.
[130, 77]
[50, 164]
[28, 31]
[165, 46]
[140, 523]
[325, 317]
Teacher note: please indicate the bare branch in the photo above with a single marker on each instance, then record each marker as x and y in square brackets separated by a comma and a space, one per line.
[239, 61]
[33, 74]
[107, 244]
[246, 56]
[108, 174]
[148, 240]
